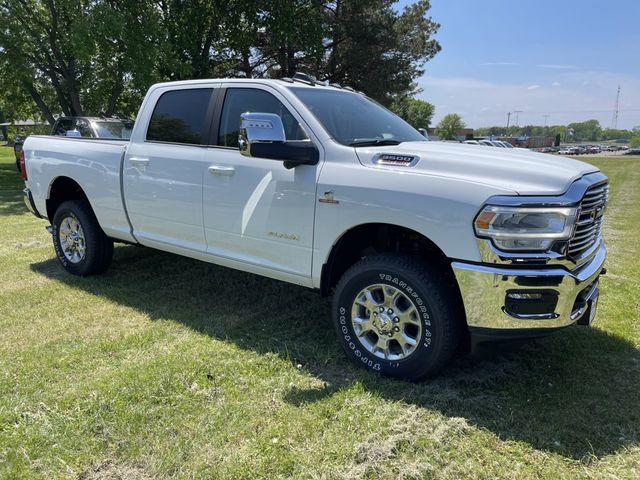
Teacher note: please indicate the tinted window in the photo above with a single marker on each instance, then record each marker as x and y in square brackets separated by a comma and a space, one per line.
[351, 117]
[112, 129]
[179, 116]
[61, 126]
[241, 100]
[83, 127]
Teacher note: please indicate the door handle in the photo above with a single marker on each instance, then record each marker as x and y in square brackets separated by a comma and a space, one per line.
[139, 161]
[223, 171]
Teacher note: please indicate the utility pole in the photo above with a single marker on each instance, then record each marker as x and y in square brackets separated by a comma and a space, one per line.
[545, 121]
[508, 118]
[614, 121]
[517, 112]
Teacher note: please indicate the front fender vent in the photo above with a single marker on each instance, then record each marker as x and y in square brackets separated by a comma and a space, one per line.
[395, 159]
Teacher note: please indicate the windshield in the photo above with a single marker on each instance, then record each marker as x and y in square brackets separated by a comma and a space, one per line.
[355, 120]
[113, 129]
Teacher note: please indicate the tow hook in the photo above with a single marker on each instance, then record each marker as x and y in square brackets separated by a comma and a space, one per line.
[49, 229]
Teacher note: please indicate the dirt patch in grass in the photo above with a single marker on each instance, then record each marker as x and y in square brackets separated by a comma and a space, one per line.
[114, 470]
[395, 453]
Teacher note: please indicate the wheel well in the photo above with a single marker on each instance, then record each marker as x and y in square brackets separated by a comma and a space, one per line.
[374, 238]
[62, 190]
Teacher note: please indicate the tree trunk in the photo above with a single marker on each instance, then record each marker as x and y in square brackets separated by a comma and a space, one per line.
[116, 91]
[333, 56]
[37, 98]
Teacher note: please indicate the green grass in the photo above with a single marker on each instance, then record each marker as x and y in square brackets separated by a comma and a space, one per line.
[166, 367]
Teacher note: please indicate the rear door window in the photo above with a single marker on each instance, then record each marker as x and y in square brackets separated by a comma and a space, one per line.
[180, 116]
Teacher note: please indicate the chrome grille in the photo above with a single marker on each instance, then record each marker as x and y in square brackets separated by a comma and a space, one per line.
[589, 225]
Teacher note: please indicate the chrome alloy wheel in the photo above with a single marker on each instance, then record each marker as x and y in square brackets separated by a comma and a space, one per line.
[386, 321]
[72, 239]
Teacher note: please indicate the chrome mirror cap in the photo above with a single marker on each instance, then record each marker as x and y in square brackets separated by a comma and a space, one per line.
[258, 127]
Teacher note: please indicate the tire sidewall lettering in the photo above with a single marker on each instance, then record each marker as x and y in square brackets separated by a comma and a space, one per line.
[55, 233]
[353, 344]
[57, 247]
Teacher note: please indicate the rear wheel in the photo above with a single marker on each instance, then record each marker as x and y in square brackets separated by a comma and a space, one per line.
[80, 244]
[397, 317]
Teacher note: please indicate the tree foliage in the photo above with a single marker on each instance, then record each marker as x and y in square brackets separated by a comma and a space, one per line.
[449, 126]
[589, 131]
[417, 113]
[635, 142]
[76, 57]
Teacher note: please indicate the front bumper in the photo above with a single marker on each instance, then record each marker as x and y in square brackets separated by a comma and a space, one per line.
[485, 287]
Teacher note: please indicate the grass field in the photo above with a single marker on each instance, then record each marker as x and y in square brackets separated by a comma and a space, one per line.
[166, 367]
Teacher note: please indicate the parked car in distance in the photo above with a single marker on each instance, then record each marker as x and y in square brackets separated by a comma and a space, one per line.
[93, 127]
[568, 151]
[18, 142]
[426, 247]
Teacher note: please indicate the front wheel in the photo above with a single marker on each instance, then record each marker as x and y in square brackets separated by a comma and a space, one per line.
[80, 244]
[397, 317]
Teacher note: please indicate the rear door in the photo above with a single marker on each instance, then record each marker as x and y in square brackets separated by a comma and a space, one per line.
[164, 165]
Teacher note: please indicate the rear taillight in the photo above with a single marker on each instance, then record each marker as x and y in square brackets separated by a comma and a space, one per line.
[23, 166]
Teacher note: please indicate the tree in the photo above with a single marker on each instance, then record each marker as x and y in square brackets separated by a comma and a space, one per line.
[589, 131]
[66, 55]
[372, 48]
[615, 134]
[84, 57]
[635, 142]
[556, 142]
[417, 113]
[449, 126]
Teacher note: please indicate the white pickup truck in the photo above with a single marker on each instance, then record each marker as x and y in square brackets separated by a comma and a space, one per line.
[425, 246]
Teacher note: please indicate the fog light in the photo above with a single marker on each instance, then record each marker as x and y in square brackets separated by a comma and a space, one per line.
[524, 296]
[526, 303]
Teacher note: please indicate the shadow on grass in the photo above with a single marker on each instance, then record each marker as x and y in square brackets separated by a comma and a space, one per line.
[574, 394]
[11, 186]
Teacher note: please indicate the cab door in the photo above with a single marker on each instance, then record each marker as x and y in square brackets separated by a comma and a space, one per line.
[256, 211]
[164, 166]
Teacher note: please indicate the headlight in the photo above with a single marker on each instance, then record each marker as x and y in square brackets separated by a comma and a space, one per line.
[522, 228]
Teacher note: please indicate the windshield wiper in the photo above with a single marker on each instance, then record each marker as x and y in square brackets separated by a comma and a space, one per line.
[375, 143]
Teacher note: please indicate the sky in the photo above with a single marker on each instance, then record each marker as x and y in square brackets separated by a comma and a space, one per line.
[561, 58]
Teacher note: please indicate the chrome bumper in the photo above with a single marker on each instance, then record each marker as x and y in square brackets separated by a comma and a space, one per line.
[484, 289]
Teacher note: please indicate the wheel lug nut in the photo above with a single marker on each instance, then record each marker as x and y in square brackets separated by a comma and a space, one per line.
[381, 309]
[390, 334]
[396, 320]
[396, 329]
[375, 314]
[390, 311]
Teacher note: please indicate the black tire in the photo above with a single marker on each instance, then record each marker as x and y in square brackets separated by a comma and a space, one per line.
[98, 248]
[436, 311]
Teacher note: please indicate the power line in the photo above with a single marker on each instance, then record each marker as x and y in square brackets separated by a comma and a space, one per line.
[517, 112]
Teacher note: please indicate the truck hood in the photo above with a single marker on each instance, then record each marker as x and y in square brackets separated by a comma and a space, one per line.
[519, 170]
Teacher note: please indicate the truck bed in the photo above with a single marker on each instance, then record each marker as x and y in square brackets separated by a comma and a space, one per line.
[94, 163]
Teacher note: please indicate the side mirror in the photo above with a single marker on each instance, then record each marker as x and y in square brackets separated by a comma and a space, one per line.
[262, 135]
[424, 133]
